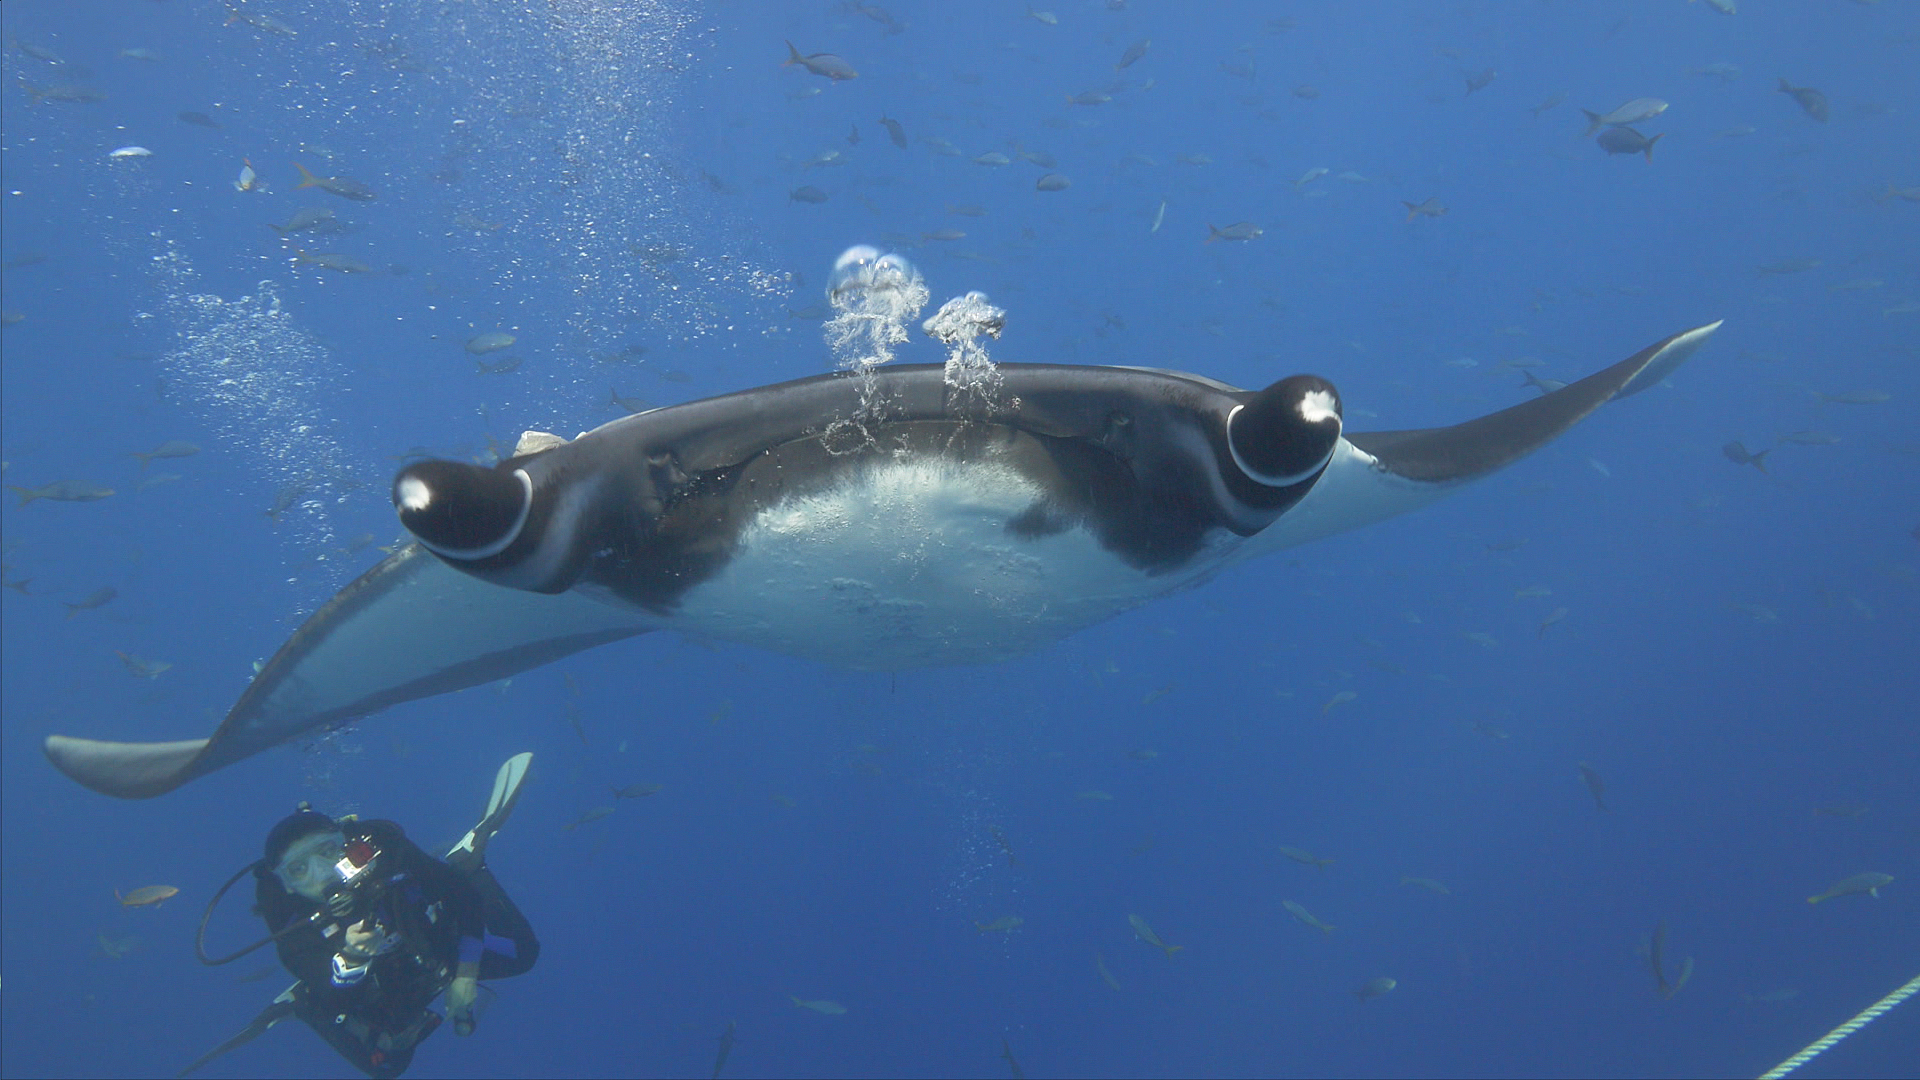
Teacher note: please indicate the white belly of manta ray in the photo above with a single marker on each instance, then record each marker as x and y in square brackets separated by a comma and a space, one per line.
[910, 563]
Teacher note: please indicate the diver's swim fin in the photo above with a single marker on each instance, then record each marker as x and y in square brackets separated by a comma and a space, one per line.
[280, 1009]
[506, 790]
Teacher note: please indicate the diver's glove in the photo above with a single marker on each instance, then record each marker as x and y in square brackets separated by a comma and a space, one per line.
[461, 994]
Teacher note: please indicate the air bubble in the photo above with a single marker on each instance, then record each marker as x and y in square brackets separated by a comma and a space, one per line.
[970, 372]
[877, 297]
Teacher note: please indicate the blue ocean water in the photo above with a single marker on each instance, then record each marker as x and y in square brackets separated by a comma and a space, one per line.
[614, 185]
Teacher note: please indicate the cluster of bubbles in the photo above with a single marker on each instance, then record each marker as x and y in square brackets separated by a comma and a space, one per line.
[643, 233]
[972, 881]
[265, 386]
[546, 150]
[877, 297]
[970, 372]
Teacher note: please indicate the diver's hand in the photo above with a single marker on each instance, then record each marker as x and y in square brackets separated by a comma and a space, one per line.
[460, 998]
[362, 942]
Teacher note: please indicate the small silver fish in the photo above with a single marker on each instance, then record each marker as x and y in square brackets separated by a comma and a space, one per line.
[142, 669]
[172, 448]
[63, 491]
[1625, 140]
[1856, 397]
[1374, 988]
[286, 498]
[1737, 453]
[1632, 112]
[1545, 386]
[1100, 965]
[1305, 917]
[1238, 231]
[328, 260]
[344, 186]
[493, 341]
[308, 218]
[1808, 438]
[589, 817]
[630, 404]
[1145, 933]
[1553, 616]
[1429, 208]
[1867, 884]
[98, 598]
[1595, 786]
[1304, 857]
[1811, 101]
[826, 65]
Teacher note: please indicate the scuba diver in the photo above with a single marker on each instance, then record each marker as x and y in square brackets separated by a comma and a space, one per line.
[375, 929]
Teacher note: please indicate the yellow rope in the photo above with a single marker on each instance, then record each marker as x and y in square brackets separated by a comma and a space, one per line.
[1844, 1030]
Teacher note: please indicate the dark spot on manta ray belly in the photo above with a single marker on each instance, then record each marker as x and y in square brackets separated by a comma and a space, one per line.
[1154, 523]
[1038, 521]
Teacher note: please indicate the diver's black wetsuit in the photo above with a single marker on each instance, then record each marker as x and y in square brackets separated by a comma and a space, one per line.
[435, 915]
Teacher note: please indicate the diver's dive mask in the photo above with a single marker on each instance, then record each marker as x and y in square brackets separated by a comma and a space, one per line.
[322, 864]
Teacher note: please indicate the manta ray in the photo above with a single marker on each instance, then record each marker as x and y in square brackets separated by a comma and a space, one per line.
[884, 519]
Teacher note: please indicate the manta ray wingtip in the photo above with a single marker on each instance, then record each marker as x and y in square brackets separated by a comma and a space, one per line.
[125, 770]
[1652, 365]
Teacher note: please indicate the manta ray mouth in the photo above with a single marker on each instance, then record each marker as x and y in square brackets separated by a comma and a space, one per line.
[463, 512]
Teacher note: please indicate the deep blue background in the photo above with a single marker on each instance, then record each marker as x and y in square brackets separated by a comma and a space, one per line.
[588, 137]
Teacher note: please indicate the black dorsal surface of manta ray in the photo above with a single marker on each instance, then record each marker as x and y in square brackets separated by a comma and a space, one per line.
[882, 520]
